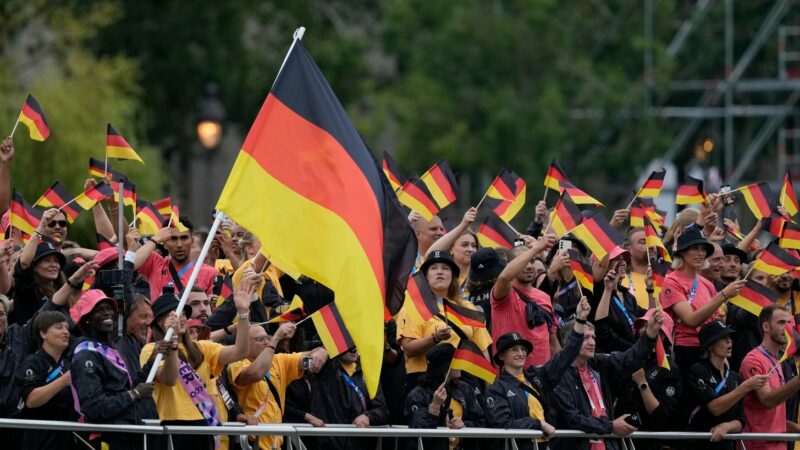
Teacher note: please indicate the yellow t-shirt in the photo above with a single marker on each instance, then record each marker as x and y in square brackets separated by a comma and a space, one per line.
[223, 266]
[172, 402]
[272, 273]
[639, 289]
[534, 407]
[458, 411]
[350, 368]
[285, 369]
[409, 325]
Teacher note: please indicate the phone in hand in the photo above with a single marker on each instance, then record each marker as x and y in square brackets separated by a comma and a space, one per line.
[564, 245]
[634, 420]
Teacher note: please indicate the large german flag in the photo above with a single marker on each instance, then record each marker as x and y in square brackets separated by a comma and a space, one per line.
[598, 235]
[578, 196]
[88, 198]
[462, 316]
[753, 297]
[416, 196]
[775, 260]
[790, 237]
[23, 215]
[690, 192]
[98, 168]
[469, 358]
[566, 216]
[308, 187]
[57, 196]
[420, 301]
[150, 221]
[441, 183]
[506, 195]
[788, 198]
[652, 240]
[759, 199]
[555, 176]
[118, 147]
[495, 233]
[581, 271]
[32, 116]
[652, 186]
[393, 171]
[331, 330]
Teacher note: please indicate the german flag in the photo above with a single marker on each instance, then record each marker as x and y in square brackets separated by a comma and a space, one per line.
[660, 271]
[788, 198]
[641, 208]
[690, 192]
[294, 312]
[578, 196]
[469, 358]
[103, 242]
[581, 271]
[566, 216]
[88, 198]
[792, 339]
[393, 172]
[226, 290]
[661, 354]
[32, 116]
[175, 220]
[758, 197]
[598, 235]
[754, 297]
[150, 221]
[419, 298]
[97, 168]
[652, 186]
[506, 195]
[24, 216]
[790, 237]
[774, 224]
[652, 240]
[331, 330]
[57, 196]
[555, 176]
[164, 206]
[462, 316]
[118, 147]
[441, 183]
[494, 233]
[416, 196]
[128, 192]
[307, 164]
[775, 260]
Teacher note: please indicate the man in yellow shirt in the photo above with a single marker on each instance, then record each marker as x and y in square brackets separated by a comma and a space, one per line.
[263, 377]
[636, 280]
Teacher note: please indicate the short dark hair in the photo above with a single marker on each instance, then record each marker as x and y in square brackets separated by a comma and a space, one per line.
[46, 319]
[184, 220]
[766, 314]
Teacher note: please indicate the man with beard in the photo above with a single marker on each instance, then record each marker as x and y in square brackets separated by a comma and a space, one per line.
[788, 294]
[200, 303]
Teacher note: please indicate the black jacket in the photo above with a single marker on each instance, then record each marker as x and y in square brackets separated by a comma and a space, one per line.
[28, 298]
[418, 416]
[666, 386]
[13, 349]
[574, 409]
[615, 332]
[747, 337]
[702, 384]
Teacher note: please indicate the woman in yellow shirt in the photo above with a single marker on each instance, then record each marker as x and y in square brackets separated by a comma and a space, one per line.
[461, 243]
[183, 383]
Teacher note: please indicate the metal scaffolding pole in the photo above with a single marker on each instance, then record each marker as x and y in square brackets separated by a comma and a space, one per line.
[729, 150]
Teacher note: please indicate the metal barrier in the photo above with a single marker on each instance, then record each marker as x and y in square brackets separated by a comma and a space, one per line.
[305, 430]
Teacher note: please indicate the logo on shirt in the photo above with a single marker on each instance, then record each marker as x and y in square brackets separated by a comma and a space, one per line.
[670, 391]
[490, 402]
[712, 380]
[510, 394]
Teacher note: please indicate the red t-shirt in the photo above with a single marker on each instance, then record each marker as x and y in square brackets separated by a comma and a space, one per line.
[156, 269]
[508, 315]
[677, 288]
[592, 387]
[758, 418]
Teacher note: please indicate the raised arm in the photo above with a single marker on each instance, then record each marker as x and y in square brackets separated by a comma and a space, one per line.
[445, 243]
[144, 251]
[74, 283]
[695, 318]
[259, 367]
[243, 295]
[29, 251]
[514, 267]
[609, 283]
[6, 156]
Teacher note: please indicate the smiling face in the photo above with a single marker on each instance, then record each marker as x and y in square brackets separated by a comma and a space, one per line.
[694, 256]
[428, 233]
[439, 276]
[57, 228]
[47, 267]
[514, 357]
[101, 319]
[56, 336]
[139, 321]
[463, 249]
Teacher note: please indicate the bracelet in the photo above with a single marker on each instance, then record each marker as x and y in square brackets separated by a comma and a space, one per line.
[723, 295]
[650, 291]
[227, 331]
[272, 347]
[580, 321]
[244, 316]
[73, 286]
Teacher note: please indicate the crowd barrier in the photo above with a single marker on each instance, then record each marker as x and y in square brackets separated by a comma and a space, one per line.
[294, 432]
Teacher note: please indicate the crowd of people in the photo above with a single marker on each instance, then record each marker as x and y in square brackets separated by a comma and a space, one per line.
[609, 360]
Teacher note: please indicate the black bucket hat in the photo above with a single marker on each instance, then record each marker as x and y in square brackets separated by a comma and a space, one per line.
[485, 264]
[730, 249]
[440, 256]
[168, 302]
[438, 359]
[712, 332]
[507, 341]
[690, 238]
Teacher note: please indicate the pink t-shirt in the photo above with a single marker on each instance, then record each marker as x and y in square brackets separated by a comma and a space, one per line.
[759, 419]
[508, 315]
[677, 288]
[156, 269]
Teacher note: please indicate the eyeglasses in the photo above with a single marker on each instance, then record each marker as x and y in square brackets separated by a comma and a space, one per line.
[61, 223]
[261, 338]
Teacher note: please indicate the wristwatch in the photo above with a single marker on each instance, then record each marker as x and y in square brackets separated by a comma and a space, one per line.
[643, 386]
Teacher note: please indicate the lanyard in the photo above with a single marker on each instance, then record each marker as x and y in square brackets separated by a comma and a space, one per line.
[631, 289]
[55, 373]
[596, 388]
[624, 311]
[693, 291]
[355, 388]
[415, 267]
[773, 361]
[185, 268]
[722, 383]
[567, 288]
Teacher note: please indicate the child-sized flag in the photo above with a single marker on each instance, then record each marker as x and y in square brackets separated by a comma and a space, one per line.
[506, 195]
[788, 198]
[150, 221]
[118, 147]
[661, 354]
[753, 297]
[32, 116]
[660, 271]
[469, 358]
[790, 237]
[555, 176]
[578, 196]
[331, 330]
[598, 235]
[581, 271]
[792, 342]
[494, 233]
[103, 242]
[775, 260]
[88, 198]
[566, 216]
[652, 186]
[294, 312]
[416, 196]
[393, 171]
[463, 316]
[759, 199]
[128, 192]
[691, 192]
[24, 216]
[164, 206]
[441, 183]
[420, 300]
[307, 164]
[57, 196]
[97, 168]
[652, 240]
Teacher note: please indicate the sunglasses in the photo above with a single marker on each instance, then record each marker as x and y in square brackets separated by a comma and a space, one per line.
[61, 223]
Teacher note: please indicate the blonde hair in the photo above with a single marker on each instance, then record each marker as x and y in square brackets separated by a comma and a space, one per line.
[684, 218]
[677, 263]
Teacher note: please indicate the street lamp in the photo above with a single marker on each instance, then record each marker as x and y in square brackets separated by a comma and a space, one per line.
[210, 118]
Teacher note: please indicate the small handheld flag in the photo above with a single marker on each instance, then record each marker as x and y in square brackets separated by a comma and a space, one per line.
[441, 183]
[23, 215]
[393, 172]
[495, 233]
[775, 260]
[555, 176]
[293, 313]
[566, 216]
[598, 235]
[462, 316]
[581, 271]
[506, 195]
[661, 354]
[118, 147]
[150, 221]
[88, 198]
[652, 186]
[754, 297]
[419, 297]
[691, 192]
[788, 198]
[790, 236]
[469, 358]
[57, 196]
[759, 199]
[32, 116]
[578, 196]
[416, 196]
[332, 331]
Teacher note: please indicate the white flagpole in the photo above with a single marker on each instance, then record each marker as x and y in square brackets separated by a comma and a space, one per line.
[13, 130]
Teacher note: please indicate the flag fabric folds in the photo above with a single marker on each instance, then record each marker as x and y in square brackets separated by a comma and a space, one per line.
[506, 195]
[565, 216]
[294, 312]
[754, 297]
[788, 198]
[469, 358]
[322, 193]
[331, 330]
[652, 240]
[462, 316]
[792, 339]
[759, 199]
[57, 196]
[88, 198]
[642, 207]
[24, 216]
[416, 196]
[598, 235]
[652, 186]
[790, 236]
[661, 354]
[118, 147]
[775, 260]
[393, 171]
[495, 233]
[555, 176]
[441, 183]
[774, 224]
[660, 271]
[581, 271]
[97, 168]
[128, 192]
[691, 192]
[420, 301]
[164, 206]
[578, 196]
[150, 221]
[32, 116]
